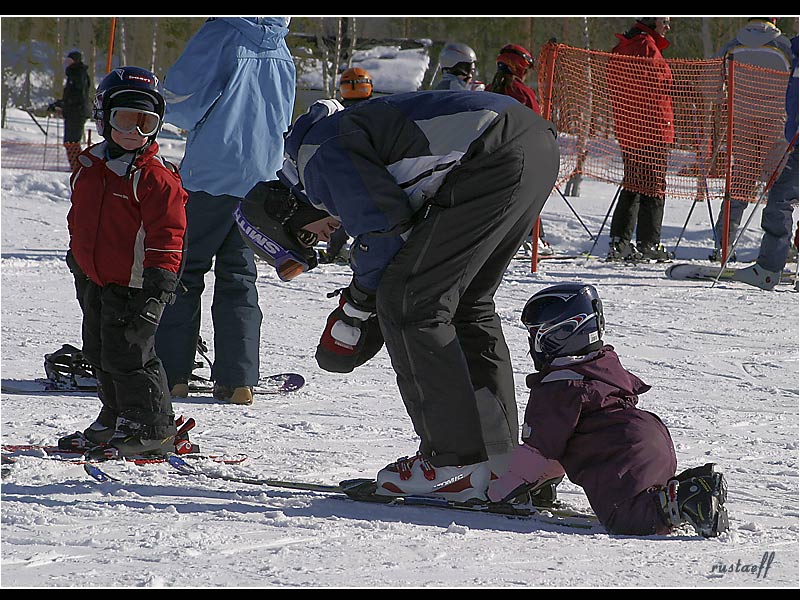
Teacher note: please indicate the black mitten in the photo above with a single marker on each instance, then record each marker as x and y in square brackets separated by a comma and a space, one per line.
[147, 305]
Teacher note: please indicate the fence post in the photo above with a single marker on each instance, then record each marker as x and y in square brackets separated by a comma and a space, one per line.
[111, 44]
[546, 75]
[726, 202]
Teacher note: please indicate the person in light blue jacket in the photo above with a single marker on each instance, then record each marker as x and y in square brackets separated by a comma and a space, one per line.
[233, 90]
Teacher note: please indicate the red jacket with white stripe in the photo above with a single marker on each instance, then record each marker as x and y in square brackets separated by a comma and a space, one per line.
[125, 218]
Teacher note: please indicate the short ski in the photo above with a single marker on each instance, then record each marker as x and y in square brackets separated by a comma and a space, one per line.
[557, 257]
[78, 456]
[281, 383]
[363, 490]
[688, 271]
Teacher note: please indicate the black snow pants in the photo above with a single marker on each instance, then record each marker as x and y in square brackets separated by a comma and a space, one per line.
[131, 382]
[436, 304]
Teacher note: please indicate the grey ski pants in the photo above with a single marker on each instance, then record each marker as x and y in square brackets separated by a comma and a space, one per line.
[436, 299]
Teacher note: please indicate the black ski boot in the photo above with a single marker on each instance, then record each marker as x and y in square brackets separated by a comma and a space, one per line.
[96, 434]
[698, 496]
[655, 252]
[541, 496]
[623, 251]
[135, 439]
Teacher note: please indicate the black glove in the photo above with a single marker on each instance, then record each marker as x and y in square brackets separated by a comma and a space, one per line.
[352, 334]
[74, 267]
[80, 278]
[147, 305]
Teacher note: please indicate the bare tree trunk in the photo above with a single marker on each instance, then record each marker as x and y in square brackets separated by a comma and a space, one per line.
[352, 49]
[85, 36]
[123, 48]
[58, 60]
[708, 44]
[324, 58]
[155, 47]
[337, 56]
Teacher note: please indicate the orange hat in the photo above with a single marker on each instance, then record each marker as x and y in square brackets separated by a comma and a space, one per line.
[355, 84]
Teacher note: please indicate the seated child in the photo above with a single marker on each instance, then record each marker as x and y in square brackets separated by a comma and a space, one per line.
[582, 419]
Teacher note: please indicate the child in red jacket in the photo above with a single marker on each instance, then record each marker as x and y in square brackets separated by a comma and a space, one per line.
[126, 225]
[582, 419]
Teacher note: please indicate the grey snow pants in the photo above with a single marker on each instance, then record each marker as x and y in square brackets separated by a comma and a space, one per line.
[436, 299]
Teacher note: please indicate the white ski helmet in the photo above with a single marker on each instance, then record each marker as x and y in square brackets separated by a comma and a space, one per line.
[458, 58]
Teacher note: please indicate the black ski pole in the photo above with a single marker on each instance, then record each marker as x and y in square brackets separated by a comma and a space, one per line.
[591, 237]
[613, 201]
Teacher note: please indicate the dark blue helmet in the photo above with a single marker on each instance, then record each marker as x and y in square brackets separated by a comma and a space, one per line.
[123, 80]
[563, 320]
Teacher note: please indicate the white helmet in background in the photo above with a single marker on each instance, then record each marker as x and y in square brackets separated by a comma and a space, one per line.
[458, 58]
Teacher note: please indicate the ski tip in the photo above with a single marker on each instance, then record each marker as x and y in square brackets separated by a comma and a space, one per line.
[97, 473]
[177, 461]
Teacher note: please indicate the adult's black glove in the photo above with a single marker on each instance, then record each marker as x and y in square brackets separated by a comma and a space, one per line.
[352, 333]
[147, 305]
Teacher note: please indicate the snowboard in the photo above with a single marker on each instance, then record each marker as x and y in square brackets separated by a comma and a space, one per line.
[684, 271]
[280, 383]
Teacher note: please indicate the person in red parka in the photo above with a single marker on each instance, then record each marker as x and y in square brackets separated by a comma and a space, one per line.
[513, 63]
[126, 224]
[640, 87]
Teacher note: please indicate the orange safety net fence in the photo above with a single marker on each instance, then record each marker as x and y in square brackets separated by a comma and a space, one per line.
[29, 155]
[49, 155]
[666, 128]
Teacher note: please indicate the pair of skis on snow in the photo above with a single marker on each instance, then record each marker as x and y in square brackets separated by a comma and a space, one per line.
[365, 490]
[280, 383]
[360, 490]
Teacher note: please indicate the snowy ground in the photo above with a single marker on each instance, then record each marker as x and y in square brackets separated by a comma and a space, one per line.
[723, 362]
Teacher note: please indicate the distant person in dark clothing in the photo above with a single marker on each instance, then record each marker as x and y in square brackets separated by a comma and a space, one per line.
[777, 217]
[582, 419]
[75, 104]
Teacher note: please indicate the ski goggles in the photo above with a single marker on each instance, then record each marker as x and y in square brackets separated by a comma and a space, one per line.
[525, 56]
[288, 264]
[133, 120]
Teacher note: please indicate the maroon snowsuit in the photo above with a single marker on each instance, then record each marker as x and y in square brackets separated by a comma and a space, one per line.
[584, 414]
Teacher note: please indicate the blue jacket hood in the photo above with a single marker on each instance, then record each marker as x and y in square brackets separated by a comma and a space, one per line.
[264, 32]
[233, 90]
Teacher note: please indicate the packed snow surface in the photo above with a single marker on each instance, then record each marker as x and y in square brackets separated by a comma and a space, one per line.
[722, 360]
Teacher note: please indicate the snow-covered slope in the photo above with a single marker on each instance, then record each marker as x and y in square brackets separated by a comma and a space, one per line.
[723, 363]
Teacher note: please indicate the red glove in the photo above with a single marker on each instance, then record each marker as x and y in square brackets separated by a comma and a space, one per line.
[352, 334]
